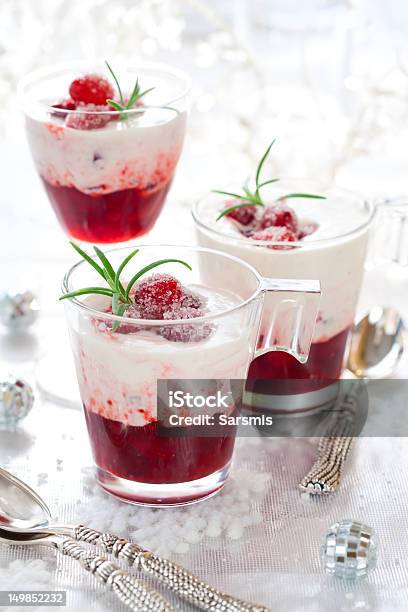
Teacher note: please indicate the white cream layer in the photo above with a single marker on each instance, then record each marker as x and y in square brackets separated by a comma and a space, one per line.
[338, 263]
[118, 373]
[122, 155]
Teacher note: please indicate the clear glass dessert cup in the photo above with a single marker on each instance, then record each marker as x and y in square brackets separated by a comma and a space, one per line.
[334, 254]
[107, 174]
[118, 371]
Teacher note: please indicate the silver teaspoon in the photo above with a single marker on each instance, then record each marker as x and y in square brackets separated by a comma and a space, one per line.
[377, 343]
[130, 591]
[25, 515]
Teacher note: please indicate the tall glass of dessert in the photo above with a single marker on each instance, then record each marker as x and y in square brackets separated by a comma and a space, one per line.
[166, 313]
[106, 140]
[300, 230]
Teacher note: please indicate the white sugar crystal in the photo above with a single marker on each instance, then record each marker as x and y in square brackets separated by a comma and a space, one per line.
[181, 547]
[213, 530]
[32, 574]
[193, 536]
[175, 530]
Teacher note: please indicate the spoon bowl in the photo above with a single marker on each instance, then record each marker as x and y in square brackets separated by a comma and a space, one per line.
[28, 538]
[26, 519]
[21, 508]
[377, 343]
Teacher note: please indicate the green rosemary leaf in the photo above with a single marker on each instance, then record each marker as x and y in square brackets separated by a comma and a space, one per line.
[115, 303]
[117, 82]
[172, 109]
[232, 195]
[146, 91]
[89, 259]
[160, 262]
[134, 95]
[87, 290]
[118, 309]
[228, 210]
[261, 163]
[119, 296]
[120, 270]
[268, 183]
[301, 195]
[118, 107]
[110, 272]
[251, 196]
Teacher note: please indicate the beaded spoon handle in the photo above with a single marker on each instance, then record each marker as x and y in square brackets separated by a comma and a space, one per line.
[325, 475]
[133, 593]
[333, 447]
[174, 577]
[130, 591]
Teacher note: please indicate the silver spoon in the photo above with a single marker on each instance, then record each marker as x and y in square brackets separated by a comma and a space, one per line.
[377, 343]
[376, 346]
[26, 519]
[131, 592]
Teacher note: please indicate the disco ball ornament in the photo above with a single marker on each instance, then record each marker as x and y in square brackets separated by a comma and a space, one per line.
[349, 550]
[18, 311]
[16, 401]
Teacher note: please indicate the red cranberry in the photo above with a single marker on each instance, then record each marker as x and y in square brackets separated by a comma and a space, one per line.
[306, 229]
[157, 294]
[192, 300]
[185, 332]
[279, 215]
[67, 104]
[88, 120]
[275, 234]
[244, 215]
[91, 89]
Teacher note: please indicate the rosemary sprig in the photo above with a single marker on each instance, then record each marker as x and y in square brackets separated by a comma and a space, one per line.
[120, 296]
[135, 96]
[253, 197]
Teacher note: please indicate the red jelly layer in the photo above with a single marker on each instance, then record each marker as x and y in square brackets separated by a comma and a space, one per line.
[143, 455]
[324, 365]
[111, 217]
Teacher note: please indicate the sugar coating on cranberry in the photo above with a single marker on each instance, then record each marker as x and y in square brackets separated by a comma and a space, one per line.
[185, 332]
[275, 234]
[162, 297]
[154, 295]
[67, 104]
[244, 215]
[192, 300]
[279, 215]
[306, 229]
[88, 120]
[182, 312]
[91, 89]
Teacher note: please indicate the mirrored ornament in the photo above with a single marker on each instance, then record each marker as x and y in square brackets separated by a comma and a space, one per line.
[16, 401]
[349, 550]
[18, 310]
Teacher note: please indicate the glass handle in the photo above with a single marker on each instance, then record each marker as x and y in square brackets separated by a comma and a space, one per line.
[292, 319]
[389, 240]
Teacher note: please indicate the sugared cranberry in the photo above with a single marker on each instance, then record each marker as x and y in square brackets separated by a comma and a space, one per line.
[88, 120]
[185, 332]
[192, 300]
[275, 234]
[279, 215]
[306, 229]
[181, 312]
[91, 89]
[67, 104]
[156, 294]
[124, 328]
[247, 233]
[244, 215]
